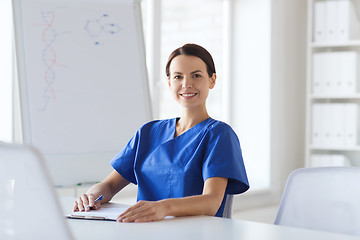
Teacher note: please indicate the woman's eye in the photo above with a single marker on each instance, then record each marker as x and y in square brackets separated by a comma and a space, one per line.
[178, 77]
[196, 75]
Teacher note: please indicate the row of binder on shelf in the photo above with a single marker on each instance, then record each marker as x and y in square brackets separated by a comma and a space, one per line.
[329, 160]
[335, 73]
[335, 125]
[335, 21]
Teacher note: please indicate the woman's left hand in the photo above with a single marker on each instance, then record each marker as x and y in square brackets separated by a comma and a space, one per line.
[144, 211]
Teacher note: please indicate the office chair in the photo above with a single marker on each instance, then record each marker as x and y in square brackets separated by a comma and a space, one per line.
[323, 198]
[228, 206]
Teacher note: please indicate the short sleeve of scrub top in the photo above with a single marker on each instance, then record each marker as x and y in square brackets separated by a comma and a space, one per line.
[125, 159]
[223, 158]
[168, 167]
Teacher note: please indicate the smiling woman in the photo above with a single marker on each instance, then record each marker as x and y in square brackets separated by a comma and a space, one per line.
[182, 166]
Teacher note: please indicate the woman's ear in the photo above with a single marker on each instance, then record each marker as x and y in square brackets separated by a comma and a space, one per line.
[168, 79]
[212, 81]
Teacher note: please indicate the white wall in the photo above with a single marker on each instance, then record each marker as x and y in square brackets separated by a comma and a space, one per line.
[283, 26]
[288, 78]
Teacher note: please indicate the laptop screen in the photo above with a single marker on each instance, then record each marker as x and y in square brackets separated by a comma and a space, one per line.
[29, 208]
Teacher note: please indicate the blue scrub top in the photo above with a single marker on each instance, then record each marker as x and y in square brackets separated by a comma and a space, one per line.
[166, 167]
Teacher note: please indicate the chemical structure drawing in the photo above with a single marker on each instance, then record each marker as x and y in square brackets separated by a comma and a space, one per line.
[96, 28]
[49, 57]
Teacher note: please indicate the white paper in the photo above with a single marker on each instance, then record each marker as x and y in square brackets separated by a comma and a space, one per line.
[104, 213]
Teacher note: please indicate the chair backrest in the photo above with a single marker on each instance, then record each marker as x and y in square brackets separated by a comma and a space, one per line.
[29, 207]
[228, 206]
[323, 198]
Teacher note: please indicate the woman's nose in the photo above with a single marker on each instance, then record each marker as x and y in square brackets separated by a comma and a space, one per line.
[186, 84]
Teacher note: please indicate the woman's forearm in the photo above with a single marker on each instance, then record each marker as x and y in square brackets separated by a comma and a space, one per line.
[109, 186]
[206, 204]
[194, 205]
[101, 189]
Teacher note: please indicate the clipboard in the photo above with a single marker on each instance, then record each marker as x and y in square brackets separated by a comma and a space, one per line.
[84, 217]
[107, 212]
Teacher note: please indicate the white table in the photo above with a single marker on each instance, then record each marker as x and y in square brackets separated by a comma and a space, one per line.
[188, 228]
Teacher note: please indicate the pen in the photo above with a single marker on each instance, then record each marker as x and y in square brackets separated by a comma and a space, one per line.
[96, 200]
[99, 198]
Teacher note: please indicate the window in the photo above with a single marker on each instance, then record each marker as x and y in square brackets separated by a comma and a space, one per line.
[251, 89]
[207, 23]
[187, 21]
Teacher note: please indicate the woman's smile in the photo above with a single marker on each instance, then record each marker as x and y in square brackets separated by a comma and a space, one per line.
[188, 95]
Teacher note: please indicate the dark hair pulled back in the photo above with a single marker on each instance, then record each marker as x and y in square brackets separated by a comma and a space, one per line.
[196, 51]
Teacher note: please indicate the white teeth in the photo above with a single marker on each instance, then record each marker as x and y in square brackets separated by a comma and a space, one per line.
[188, 94]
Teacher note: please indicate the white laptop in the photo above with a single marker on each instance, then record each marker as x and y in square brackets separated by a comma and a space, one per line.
[29, 208]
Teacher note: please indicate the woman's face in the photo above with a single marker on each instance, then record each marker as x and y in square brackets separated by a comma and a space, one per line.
[189, 81]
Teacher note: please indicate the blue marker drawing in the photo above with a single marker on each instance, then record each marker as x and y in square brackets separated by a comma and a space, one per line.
[98, 27]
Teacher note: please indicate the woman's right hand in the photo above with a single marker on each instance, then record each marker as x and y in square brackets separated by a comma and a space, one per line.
[85, 202]
[108, 188]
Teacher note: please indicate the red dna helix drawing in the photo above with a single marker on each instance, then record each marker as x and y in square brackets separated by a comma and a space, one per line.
[49, 58]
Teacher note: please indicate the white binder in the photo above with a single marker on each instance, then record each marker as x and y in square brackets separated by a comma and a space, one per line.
[327, 160]
[335, 73]
[347, 24]
[319, 21]
[317, 126]
[336, 124]
[335, 21]
[327, 125]
[348, 72]
[319, 73]
[351, 123]
[332, 72]
[331, 14]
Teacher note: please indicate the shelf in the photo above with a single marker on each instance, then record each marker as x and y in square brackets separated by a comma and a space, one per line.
[336, 96]
[346, 97]
[351, 43]
[355, 148]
